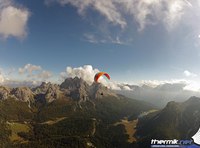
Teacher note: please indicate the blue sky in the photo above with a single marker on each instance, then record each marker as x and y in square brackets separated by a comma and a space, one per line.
[131, 40]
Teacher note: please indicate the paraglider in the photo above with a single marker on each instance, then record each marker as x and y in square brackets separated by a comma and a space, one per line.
[99, 74]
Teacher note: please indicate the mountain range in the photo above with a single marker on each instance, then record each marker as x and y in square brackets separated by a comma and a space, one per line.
[72, 114]
[158, 95]
[75, 114]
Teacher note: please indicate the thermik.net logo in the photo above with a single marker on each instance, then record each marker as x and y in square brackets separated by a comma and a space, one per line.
[195, 143]
[170, 143]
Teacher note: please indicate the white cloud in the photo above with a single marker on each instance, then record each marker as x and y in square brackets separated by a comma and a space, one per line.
[106, 8]
[189, 85]
[87, 73]
[35, 72]
[30, 79]
[29, 68]
[175, 12]
[13, 20]
[44, 75]
[154, 83]
[1, 78]
[151, 12]
[93, 38]
[193, 86]
[189, 74]
[124, 87]
[11, 71]
[144, 12]
[26, 83]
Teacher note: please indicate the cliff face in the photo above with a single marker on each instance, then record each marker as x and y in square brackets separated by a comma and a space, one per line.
[48, 91]
[79, 89]
[4, 92]
[97, 90]
[23, 94]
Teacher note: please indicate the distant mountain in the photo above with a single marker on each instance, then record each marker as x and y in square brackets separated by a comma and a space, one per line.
[47, 92]
[24, 94]
[170, 87]
[159, 95]
[175, 121]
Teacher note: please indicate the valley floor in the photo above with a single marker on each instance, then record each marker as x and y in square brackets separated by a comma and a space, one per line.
[130, 127]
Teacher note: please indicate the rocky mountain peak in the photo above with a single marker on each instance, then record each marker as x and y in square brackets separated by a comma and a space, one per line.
[80, 89]
[98, 90]
[4, 92]
[47, 91]
[23, 93]
[44, 87]
[73, 83]
[192, 100]
[172, 106]
[77, 88]
[53, 92]
[170, 87]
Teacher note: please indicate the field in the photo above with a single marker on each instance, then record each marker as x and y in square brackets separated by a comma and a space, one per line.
[17, 128]
[130, 127]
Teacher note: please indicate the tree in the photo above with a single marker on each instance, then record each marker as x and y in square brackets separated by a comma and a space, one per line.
[5, 132]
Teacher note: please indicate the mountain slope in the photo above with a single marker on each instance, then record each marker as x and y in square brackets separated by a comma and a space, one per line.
[175, 121]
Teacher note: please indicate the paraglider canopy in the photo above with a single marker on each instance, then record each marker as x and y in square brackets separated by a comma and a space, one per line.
[99, 74]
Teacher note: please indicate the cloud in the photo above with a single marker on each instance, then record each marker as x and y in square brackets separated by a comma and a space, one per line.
[155, 83]
[30, 75]
[106, 8]
[1, 78]
[189, 85]
[29, 68]
[13, 20]
[152, 12]
[189, 74]
[193, 86]
[144, 12]
[11, 71]
[87, 73]
[94, 38]
[124, 87]
[91, 38]
[35, 72]
[44, 75]
[25, 83]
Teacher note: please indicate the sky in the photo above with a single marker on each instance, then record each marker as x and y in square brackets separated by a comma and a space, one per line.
[135, 41]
